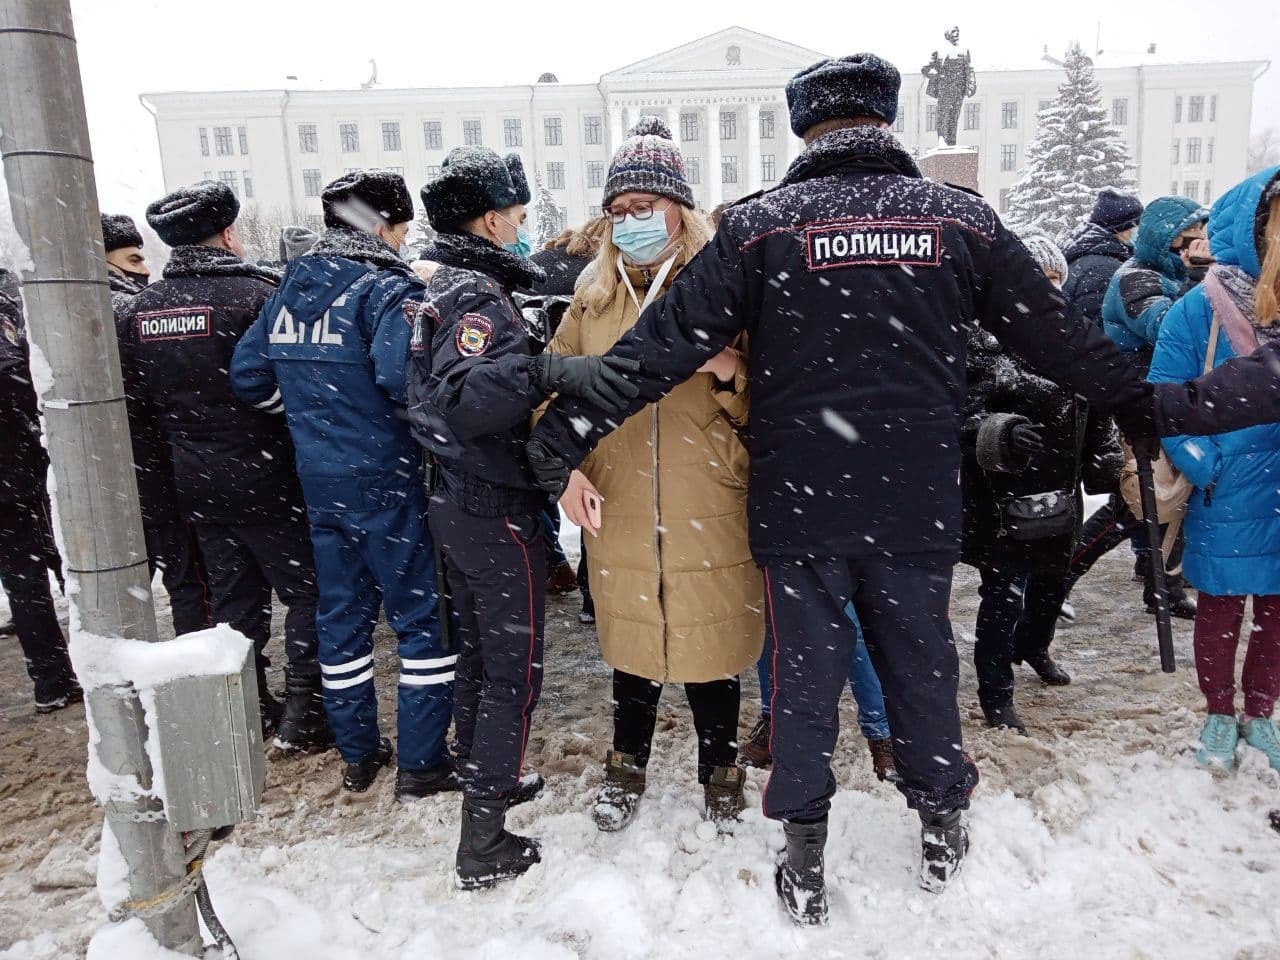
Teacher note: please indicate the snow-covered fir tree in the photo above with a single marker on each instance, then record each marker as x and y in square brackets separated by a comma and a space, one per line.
[1075, 154]
[548, 224]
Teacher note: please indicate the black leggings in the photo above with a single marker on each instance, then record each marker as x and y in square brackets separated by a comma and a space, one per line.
[715, 717]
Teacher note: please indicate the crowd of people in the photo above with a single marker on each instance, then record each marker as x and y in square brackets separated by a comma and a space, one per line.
[759, 426]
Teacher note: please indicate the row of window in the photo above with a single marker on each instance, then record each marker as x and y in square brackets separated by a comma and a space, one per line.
[1196, 110]
[223, 142]
[232, 179]
[1193, 152]
[1195, 190]
[972, 119]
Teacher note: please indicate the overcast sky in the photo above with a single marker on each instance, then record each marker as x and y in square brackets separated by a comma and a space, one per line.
[127, 48]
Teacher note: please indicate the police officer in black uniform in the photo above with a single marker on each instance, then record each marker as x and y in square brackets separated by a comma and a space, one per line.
[171, 540]
[27, 551]
[856, 280]
[233, 465]
[473, 382]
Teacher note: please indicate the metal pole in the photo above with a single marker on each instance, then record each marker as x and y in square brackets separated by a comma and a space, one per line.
[44, 143]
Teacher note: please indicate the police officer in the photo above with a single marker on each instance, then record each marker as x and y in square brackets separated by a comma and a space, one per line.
[473, 382]
[330, 349]
[232, 465]
[27, 551]
[171, 540]
[856, 280]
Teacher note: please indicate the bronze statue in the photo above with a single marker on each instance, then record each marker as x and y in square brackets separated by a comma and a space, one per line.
[950, 81]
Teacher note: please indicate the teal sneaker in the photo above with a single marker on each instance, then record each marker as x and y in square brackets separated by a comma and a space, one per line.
[1218, 742]
[1260, 733]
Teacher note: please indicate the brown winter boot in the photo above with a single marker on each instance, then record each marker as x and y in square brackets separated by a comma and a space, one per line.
[882, 759]
[755, 752]
[723, 797]
[619, 795]
[561, 580]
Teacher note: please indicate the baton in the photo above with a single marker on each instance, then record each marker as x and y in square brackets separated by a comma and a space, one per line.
[1164, 628]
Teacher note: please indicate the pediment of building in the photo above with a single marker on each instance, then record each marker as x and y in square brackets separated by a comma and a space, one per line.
[732, 50]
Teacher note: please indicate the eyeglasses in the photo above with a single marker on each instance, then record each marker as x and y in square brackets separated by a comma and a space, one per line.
[1183, 243]
[640, 209]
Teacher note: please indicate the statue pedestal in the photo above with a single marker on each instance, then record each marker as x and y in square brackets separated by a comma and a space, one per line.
[954, 165]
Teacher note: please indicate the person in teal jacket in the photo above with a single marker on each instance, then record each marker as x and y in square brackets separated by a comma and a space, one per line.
[1233, 522]
[1170, 238]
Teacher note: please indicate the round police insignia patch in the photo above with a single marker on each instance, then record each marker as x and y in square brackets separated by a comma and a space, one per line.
[474, 335]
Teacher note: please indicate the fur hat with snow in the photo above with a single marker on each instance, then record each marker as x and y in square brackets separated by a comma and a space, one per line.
[473, 181]
[1047, 254]
[194, 214]
[119, 231]
[649, 161]
[381, 191]
[861, 85]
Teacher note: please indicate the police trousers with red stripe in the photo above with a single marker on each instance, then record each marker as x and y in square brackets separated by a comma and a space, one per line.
[496, 578]
[901, 603]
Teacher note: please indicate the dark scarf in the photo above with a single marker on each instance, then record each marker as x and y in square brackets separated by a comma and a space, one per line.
[469, 252]
[214, 262]
[359, 246]
[123, 285]
[865, 148]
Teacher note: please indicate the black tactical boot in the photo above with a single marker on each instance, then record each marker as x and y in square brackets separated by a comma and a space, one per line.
[620, 793]
[723, 797]
[943, 843]
[487, 853]
[1047, 669]
[1181, 604]
[304, 727]
[799, 881]
[360, 775]
[1004, 716]
[414, 785]
[529, 787]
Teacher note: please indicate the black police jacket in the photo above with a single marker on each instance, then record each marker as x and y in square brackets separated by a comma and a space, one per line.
[857, 282]
[24, 466]
[232, 464]
[471, 382]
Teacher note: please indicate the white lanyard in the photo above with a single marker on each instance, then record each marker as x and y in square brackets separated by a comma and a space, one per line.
[655, 288]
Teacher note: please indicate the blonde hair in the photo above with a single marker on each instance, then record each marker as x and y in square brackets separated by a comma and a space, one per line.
[695, 233]
[1266, 304]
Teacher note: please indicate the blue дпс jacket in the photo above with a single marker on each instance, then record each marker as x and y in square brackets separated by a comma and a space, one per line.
[1145, 287]
[329, 349]
[1233, 523]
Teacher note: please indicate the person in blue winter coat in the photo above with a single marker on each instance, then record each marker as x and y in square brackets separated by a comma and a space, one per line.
[329, 351]
[1233, 521]
[1169, 243]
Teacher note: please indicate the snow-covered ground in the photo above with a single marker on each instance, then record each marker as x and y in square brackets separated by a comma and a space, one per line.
[1095, 837]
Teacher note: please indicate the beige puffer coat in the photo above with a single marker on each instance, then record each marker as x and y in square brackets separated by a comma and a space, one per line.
[677, 595]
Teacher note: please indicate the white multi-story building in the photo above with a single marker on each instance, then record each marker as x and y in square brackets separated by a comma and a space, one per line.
[1187, 126]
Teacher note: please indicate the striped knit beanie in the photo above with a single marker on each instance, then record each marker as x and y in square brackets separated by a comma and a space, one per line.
[1047, 254]
[649, 162]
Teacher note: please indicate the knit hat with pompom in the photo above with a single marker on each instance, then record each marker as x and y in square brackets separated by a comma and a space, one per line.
[649, 161]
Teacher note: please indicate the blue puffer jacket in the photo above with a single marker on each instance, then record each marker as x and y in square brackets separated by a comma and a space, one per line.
[1233, 526]
[1144, 288]
[329, 349]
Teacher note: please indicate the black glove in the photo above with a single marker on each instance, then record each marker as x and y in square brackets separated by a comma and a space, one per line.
[1026, 438]
[550, 471]
[600, 381]
[1136, 418]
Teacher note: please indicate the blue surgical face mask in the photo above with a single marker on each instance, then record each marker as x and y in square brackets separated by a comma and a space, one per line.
[642, 240]
[523, 245]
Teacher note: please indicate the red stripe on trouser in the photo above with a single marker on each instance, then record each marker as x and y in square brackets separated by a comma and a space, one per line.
[1092, 543]
[777, 680]
[528, 704]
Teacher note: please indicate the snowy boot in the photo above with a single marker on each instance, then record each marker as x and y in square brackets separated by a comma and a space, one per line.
[943, 844]
[1047, 669]
[799, 879]
[1260, 733]
[882, 760]
[1274, 818]
[755, 751]
[359, 776]
[1004, 716]
[619, 795]
[414, 785]
[304, 727]
[487, 853]
[723, 797]
[1181, 604]
[1218, 741]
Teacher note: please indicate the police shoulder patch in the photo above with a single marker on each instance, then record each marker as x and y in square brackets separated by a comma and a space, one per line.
[875, 243]
[474, 334]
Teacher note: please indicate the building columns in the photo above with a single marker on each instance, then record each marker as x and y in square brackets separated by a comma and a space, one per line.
[615, 128]
[753, 147]
[715, 178]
